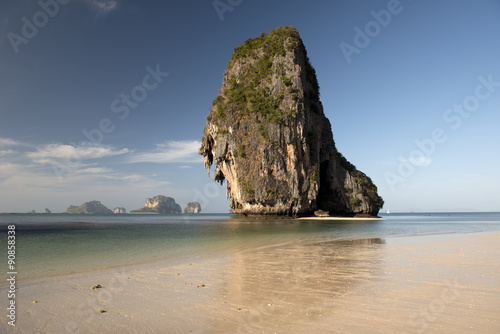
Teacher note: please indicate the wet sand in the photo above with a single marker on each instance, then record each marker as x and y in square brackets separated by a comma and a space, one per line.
[424, 284]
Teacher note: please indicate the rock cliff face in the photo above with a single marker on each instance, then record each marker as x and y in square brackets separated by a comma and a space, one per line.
[192, 207]
[160, 204]
[92, 207]
[119, 210]
[268, 137]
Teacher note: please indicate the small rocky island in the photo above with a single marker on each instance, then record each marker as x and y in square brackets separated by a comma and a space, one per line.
[92, 207]
[119, 210]
[192, 207]
[159, 204]
[268, 136]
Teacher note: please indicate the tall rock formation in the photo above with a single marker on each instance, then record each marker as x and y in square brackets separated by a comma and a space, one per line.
[192, 207]
[268, 137]
[159, 204]
[119, 210]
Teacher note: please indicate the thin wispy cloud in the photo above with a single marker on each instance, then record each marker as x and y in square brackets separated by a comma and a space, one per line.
[8, 142]
[53, 153]
[96, 174]
[14, 175]
[6, 152]
[95, 171]
[170, 152]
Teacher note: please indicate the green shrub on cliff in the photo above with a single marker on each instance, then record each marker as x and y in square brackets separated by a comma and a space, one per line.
[247, 94]
[273, 43]
[314, 174]
[369, 188]
[355, 202]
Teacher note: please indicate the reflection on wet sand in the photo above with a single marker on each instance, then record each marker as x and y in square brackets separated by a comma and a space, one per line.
[282, 286]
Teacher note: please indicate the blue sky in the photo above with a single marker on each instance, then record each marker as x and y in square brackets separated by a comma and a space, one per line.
[107, 99]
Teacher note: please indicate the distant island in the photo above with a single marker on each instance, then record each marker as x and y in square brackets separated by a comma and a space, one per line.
[268, 136]
[159, 204]
[192, 207]
[92, 207]
[119, 210]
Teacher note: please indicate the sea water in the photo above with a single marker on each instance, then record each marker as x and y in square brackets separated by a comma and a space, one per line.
[55, 244]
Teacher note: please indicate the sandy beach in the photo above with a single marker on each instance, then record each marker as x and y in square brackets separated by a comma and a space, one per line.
[339, 218]
[447, 283]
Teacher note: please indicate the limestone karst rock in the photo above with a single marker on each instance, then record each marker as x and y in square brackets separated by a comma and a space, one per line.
[192, 207]
[159, 204]
[268, 136]
[119, 210]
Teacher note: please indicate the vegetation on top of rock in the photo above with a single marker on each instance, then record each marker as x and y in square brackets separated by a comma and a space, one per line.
[272, 43]
[249, 92]
[344, 163]
[92, 207]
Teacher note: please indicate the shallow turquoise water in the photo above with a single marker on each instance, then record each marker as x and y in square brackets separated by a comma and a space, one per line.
[58, 243]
